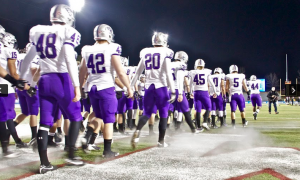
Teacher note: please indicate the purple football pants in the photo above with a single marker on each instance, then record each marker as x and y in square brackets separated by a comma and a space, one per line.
[237, 100]
[202, 100]
[7, 107]
[56, 91]
[256, 100]
[29, 105]
[217, 103]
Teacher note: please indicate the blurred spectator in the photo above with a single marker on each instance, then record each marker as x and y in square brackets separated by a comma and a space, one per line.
[273, 98]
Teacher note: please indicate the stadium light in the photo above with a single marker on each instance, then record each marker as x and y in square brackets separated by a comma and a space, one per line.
[76, 5]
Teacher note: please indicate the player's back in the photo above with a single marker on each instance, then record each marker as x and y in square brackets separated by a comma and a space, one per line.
[217, 79]
[177, 66]
[49, 41]
[153, 59]
[254, 86]
[98, 62]
[200, 79]
[235, 83]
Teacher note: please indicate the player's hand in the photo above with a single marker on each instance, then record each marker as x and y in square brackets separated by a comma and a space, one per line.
[172, 98]
[77, 94]
[84, 95]
[192, 96]
[188, 96]
[21, 85]
[180, 98]
[125, 90]
[31, 91]
[129, 93]
[136, 94]
[215, 95]
[248, 98]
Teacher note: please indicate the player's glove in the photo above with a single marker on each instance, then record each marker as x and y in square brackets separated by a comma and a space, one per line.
[84, 95]
[136, 94]
[20, 84]
[172, 98]
[31, 91]
[188, 96]
[248, 93]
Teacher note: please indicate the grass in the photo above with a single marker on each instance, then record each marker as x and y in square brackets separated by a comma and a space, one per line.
[264, 176]
[282, 129]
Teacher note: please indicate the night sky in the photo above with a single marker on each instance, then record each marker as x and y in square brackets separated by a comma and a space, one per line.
[252, 34]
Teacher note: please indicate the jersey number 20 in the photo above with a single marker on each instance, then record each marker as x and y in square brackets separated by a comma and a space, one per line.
[152, 61]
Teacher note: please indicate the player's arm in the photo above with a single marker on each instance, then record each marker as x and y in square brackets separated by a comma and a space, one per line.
[11, 64]
[73, 69]
[136, 87]
[119, 83]
[211, 83]
[227, 86]
[245, 86]
[191, 85]
[180, 80]
[187, 84]
[116, 62]
[82, 72]
[27, 61]
[3, 73]
[223, 87]
[140, 68]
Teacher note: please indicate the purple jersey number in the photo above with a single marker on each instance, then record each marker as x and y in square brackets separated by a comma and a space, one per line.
[235, 82]
[199, 80]
[216, 80]
[254, 87]
[99, 58]
[152, 61]
[50, 50]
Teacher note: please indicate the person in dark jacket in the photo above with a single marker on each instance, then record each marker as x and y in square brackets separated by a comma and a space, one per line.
[273, 98]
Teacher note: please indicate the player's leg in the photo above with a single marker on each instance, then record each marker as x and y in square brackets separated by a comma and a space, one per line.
[149, 104]
[233, 106]
[87, 109]
[213, 111]
[151, 123]
[129, 107]
[134, 111]
[220, 107]
[121, 113]
[24, 107]
[259, 104]
[205, 100]
[51, 135]
[185, 110]
[241, 104]
[58, 135]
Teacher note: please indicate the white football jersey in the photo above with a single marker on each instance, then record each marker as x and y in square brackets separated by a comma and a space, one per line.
[34, 64]
[98, 62]
[141, 88]
[200, 79]
[49, 41]
[127, 71]
[177, 66]
[235, 83]
[153, 61]
[254, 86]
[5, 54]
[217, 79]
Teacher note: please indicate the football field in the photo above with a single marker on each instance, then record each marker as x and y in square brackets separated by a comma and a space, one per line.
[268, 148]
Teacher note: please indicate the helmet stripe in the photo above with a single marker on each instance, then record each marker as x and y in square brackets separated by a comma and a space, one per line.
[98, 31]
[54, 12]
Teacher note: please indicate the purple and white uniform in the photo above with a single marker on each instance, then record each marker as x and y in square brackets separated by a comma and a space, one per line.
[130, 73]
[29, 105]
[156, 62]
[86, 103]
[141, 91]
[101, 79]
[216, 103]
[7, 103]
[255, 94]
[199, 86]
[59, 74]
[236, 97]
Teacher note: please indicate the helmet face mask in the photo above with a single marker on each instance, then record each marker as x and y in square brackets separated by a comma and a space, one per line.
[10, 40]
[104, 32]
[181, 56]
[62, 13]
[233, 68]
[160, 39]
[199, 62]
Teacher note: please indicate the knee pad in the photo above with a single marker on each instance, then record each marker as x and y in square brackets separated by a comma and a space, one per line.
[221, 113]
[213, 112]
[179, 119]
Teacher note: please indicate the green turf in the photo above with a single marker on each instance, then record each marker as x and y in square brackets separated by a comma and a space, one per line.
[264, 176]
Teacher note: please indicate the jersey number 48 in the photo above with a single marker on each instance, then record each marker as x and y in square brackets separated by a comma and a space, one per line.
[48, 49]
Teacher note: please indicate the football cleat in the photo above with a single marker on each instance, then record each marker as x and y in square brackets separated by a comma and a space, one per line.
[93, 147]
[84, 145]
[58, 137]
[162, 145]
[135, 139]
[10, 154]
[246, 123]
[254, 116]
[276, 113]
[233, 126]
[199, 130]
[110, 154]
[21, 145]
[44, 169]
[76, 161]
[214, 127]
[205, 126]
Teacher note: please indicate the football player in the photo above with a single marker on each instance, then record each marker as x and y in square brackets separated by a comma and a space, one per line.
[199, 82]
[100, 60]
[234, 86]
[29, 103]
[156, 62]
[141, 91]
[217, 103]
[8, 61]
[6, 78]
[55, 46]
[179, 75]
[253, 84]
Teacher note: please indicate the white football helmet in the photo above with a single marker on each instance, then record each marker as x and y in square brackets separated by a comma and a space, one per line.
[253, 78]
[63, 14]
[233, 68]
[104, 32]
[199, 62]
[142, 76]
[218, 70]
[9, 40]
[124, 61]
[2, 32]
[181, 56]
[160, 39]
